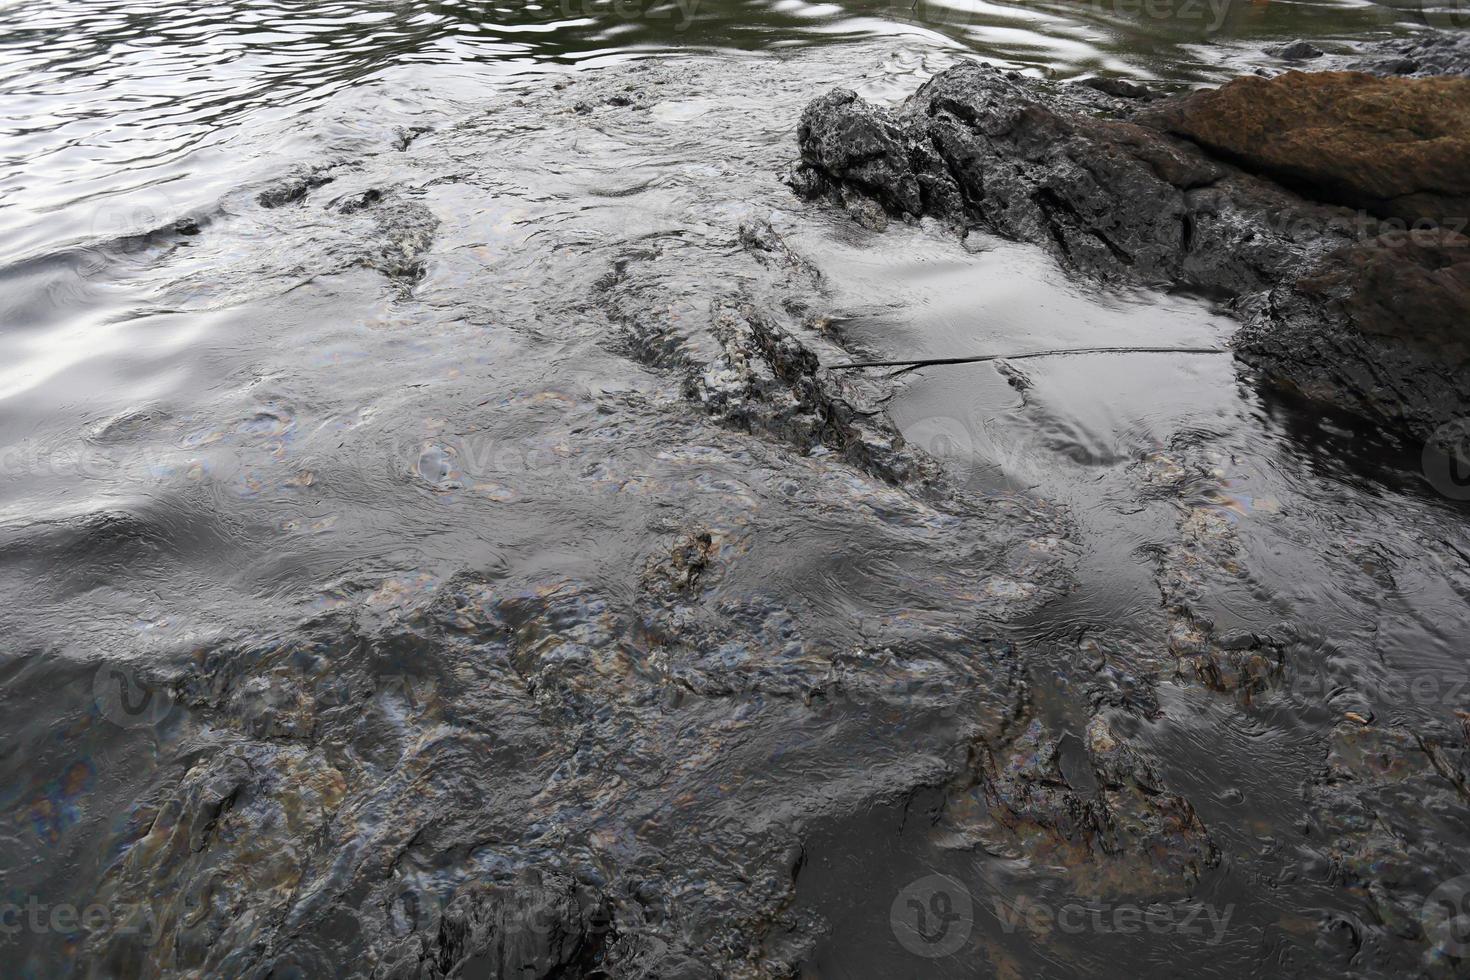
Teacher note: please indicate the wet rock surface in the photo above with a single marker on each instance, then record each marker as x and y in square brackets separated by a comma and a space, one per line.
[1092, 805]
[618, 634]
[1298, 50]
[1377, 327]
[568, 771]
[1392, 146]
[1411, 886]
[1117, 198]
[1423, 55]
[1111, 198]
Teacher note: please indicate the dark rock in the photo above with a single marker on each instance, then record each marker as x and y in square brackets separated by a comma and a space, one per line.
[1295, 51]
[1402, 872]
[1112, 199]
[1395, 147]
[751, 373]
[680, 571]
[1121, 87]
[153, 242]
[1395, 66]
[1118, 200]
[531, 930]
[356, 202]
[407, 134]
[1381, 327]
[1093, 805]
[293, 189]
[770, 249]
[1206, 560]
[405, 231]
[1435, 53]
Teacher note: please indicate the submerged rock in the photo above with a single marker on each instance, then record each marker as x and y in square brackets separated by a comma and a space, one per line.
[538, 928]
[750, 372]
[1120, 87]
[1295, 51]
[1434, 53]
[537, 774]
[1385, 814]
[293, 188]
[1094, 806]
[1122, 199]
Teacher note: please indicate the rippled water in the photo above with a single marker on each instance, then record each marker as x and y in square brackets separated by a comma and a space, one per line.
[318, 309]
[102, 98]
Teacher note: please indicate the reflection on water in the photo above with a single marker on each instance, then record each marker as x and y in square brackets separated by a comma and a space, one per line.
[103, 96]
[313, 310]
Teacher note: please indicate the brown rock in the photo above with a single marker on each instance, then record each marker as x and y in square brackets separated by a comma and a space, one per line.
[1396, 147]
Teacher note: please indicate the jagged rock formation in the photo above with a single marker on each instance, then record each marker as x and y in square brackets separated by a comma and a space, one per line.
[1369, 315]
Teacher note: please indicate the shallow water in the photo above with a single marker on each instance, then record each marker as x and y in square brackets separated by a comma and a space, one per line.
[321, 331]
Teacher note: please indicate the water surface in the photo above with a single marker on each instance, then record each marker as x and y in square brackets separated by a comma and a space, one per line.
[304, 313]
